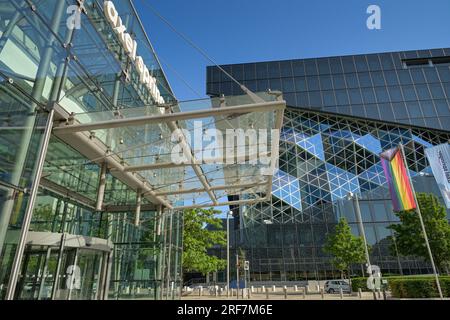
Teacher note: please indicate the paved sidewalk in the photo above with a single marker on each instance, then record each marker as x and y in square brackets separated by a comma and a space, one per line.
[280, 296]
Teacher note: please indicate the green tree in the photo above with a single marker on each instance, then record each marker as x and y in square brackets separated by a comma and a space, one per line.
[345, 248]
[410, 238]
[197, 239]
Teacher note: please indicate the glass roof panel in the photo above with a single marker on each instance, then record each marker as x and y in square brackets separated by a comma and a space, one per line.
[218, 148]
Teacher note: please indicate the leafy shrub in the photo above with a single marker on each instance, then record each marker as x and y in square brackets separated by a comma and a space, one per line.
[409, 286]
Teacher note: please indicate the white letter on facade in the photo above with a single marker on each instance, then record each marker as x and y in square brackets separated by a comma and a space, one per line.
[374, 21]
[110, 12]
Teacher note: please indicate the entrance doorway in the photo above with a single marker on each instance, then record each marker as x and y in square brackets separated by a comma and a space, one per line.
[63, 273]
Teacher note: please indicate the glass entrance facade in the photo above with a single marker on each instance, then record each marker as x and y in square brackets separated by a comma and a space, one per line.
[58, 58]
[342, 112]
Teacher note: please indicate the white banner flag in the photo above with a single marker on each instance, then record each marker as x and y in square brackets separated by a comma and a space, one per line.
[439, 158]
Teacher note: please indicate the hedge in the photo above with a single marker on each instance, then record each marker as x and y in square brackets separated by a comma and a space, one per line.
[409, 286]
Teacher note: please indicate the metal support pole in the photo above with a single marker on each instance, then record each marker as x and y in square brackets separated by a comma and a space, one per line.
[169, 276]
[436, 275]
[361, 227]
[137, 216]
[24, 144]
[44, 272]
[115, 100]
[71, 275]
[103, 276]
[228, 253]
[101, 187]
[9, 28]
[363, 234]
[160, 262]
[108, 276]
[15, 269]
[58, 266]
[61, 72]
[237, 274]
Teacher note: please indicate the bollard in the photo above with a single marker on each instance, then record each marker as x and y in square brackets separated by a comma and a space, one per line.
[295, 288]
[304, 293]
[285, 292]
[250, 293]
[322, 293]
[341, 292]
[263, 289]
[253, 289]
[384, 294]
[267, 293]
[306, 289]
[374, 295]
[360, 293]
[274, 288]
[216, 289]
[379, 293]
[200, 289]
[318, 288]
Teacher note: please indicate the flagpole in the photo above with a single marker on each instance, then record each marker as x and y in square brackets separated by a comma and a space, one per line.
[422, 224]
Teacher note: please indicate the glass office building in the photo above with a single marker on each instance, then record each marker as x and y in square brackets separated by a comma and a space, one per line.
[341, 113]
[91, 199]
[88, 230]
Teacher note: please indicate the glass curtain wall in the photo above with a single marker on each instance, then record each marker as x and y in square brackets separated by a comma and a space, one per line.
[148, 266]
[26, 80]
[323, 157]
[81, 69]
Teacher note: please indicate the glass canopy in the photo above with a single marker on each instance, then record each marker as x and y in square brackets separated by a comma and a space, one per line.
[187, 154]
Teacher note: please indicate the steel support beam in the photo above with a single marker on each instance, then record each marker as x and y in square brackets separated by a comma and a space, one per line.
[15, 268]
[101, 187]
[66, 193]
[137, 215]
[275, 152]
[215, 188]
[92, 148]
[128, 208]
[66, 128]
[195, 166]
[228, 203]
[154, 166]
[167, 165]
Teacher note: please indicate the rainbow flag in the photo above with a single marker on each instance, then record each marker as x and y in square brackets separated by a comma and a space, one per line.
[398, 180]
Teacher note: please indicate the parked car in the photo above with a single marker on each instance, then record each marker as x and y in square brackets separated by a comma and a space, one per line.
[334, 286]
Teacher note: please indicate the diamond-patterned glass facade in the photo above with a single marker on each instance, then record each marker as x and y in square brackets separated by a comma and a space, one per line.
[323, 163]
[328, 151]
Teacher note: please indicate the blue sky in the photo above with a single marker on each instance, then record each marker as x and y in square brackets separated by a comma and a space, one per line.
[238, 31]
[235, 31]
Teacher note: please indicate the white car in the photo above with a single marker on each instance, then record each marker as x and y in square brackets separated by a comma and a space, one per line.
[334, 286]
